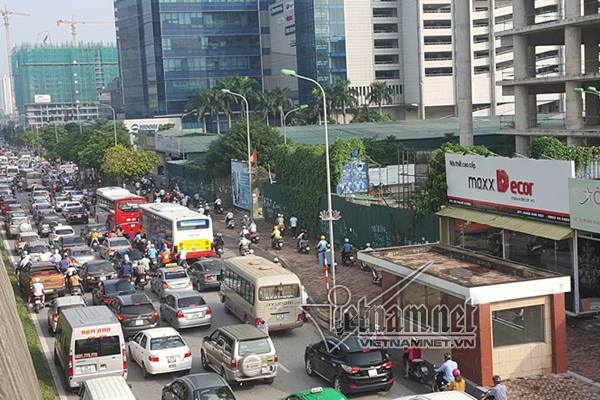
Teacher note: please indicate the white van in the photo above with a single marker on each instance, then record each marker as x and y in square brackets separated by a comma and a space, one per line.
[107, 388]
[89, 344]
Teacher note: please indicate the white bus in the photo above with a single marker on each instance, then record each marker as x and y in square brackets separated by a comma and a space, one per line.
[32, 179]
[178, 226]
[254, 288]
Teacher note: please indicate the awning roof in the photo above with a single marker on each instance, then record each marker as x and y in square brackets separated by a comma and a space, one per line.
[522, 225]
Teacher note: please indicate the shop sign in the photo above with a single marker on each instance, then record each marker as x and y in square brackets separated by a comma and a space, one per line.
[584, 202]
[533, 188]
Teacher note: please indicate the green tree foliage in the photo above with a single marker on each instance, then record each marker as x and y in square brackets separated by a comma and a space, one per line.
[433, 195]
[234, 145]
[32, 139]
[552, 148]
[380, 93]
[368, 114]
[384, 152]
[128, 165]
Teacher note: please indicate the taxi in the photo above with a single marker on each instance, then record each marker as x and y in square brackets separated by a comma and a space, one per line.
[317, 393]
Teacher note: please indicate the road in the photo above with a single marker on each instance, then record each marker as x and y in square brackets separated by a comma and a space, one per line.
[289, 345]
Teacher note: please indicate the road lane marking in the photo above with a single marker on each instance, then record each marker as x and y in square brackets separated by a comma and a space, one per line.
[284, 368]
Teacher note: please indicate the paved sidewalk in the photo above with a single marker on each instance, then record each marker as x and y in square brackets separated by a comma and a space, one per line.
[551, 387]
[583, 336]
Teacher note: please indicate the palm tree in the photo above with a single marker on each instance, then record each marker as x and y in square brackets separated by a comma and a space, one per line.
[344, 95]
[229, 102]
[330, 97]
[200, 101]
[380, 93]
[215, 105]
[282, 100]
[265, 105]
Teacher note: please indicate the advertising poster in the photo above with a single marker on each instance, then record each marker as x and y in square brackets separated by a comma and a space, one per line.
[240, 184]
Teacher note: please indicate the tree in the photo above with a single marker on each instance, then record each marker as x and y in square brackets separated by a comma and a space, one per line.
[128, 165]
[200, 101]
[92, 154]
[329, 97]
[32, 139]
[380, 93]
[344, 96]
[282, 100]
[368, 114]
[265, 105]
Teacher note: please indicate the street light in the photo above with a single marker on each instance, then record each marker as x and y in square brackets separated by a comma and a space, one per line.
[329, 216]
[114, 119]
[284, 117]
[588, 90]
[227, 91]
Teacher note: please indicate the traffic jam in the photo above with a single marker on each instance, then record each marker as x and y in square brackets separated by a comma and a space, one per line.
[118, 281]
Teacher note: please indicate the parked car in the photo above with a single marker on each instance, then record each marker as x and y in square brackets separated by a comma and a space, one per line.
[135, 312]
[60, 231]
[109, 289]
[198, 386]
[185, 310]
[80, 255]
[61, 303]
[109, 245]
[349, 366]
[317, 393]
[160, 351]
[240, 353]
[96, 271]
[170, 280]
[206, 274]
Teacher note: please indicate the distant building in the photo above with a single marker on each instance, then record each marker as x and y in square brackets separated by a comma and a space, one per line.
[61, 83]
[169, 49]
[6, 100]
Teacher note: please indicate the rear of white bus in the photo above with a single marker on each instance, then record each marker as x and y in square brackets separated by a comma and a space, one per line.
[280, 305]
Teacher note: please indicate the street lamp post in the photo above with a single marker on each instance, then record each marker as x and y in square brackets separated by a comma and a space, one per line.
[589, 90]
[284, 117]
[329, 215]
[114, 119]
[247, 106]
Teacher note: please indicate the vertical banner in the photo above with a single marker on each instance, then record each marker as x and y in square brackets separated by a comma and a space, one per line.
[240, 184]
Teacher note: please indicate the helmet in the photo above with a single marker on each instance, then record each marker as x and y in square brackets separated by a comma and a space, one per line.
[125, 258]
[37, 280]
[245, 215]
[447, 356]
[219, 234]
[456, 372]
[55, 251]
[322, 237]
[276, 260]
[346, 240]
[25, 253]
[496, 379]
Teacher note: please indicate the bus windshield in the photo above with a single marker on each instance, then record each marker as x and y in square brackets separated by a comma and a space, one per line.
[192, 224]
[278, 292]
[129, 206]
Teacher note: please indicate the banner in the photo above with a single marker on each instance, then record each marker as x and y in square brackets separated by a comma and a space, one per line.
[535, 188]
[355, 176]
[240, 184]
[584, 203]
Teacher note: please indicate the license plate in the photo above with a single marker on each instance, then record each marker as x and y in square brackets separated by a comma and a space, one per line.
[79, 215]
[139, 322]
[192, 316]
[172, 365]
[280, 317]
[102, 278]
[48, 290]
[266, 370]
[85, 369]
[372, 373]
[171, 360]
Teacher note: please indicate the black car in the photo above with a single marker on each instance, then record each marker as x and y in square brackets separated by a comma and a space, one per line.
[119, 256]
[46, 223]
[109, 289]
[349, 366]
[135, 312]
[67, 242]
[206, 274]
[198, 386]
[94, 272]
[76, 215]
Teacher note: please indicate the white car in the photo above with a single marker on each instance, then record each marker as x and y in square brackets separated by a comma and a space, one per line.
[61, 231]
[450, 395]
[159, 351]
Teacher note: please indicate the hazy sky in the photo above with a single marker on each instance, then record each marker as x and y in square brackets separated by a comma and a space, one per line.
[45, 13]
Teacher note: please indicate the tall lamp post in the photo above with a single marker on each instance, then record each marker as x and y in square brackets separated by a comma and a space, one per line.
[284, 117]
[114, 114]
[247, 106]
[329, 217]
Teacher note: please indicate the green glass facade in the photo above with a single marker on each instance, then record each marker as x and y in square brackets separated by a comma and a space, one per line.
[67, 73]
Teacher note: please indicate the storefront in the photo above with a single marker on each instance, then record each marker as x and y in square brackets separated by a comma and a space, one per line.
[516, 209]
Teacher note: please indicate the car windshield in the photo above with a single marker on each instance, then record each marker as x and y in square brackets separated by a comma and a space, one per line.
[76, 209]
[43, 206]
[38, 249]
[255, 346]
[365, 358]
[175, 275]
[100, 268]
[129, 206]
[192, 301]
[214, 393]
[118, 242]
[19, 220]
[209, 266]
[137, 309]
[120, 286]
[168, 342]
[82, 253]
[64, 231]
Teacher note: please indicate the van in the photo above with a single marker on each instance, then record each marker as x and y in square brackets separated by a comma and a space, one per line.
[89, 344]
[107, 388]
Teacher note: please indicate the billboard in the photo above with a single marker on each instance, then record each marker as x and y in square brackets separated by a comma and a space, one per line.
[392, 175]
[240, 184]
[534, 188]
[584, 203]
[42, 99]
[150, 124]
[354, 177]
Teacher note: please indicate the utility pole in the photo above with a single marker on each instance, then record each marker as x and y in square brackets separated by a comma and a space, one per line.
[6, 13]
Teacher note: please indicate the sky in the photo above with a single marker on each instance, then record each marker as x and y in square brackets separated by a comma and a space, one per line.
[42, 22]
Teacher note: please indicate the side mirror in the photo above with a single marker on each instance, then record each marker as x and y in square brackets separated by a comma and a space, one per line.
[207, 338]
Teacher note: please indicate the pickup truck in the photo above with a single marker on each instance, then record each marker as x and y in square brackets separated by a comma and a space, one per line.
[50, 277]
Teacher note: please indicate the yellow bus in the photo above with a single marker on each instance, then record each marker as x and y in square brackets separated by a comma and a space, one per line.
[255, 288]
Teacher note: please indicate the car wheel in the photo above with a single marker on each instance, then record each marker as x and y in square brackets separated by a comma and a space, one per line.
[204, 361]
[337, 383]
[145, 372]
[308, 366]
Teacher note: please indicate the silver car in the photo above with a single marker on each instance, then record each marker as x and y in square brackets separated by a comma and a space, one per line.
[15, 224]
[61, 303]
[109, 245]
[170, 280]
[185, 310]
[81, 255]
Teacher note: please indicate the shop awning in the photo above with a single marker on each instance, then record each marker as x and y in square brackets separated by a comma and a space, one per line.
[522, 225]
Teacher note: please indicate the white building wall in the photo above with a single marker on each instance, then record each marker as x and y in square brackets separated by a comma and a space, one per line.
[358, 22]
[283, 46]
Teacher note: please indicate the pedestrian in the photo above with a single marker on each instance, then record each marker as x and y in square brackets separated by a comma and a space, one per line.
[263, 326]
[293, 224]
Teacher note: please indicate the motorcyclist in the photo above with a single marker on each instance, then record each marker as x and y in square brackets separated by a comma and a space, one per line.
[165, 256]
[55, 259]
[246, 220]
[126, 268]
[70, 271]
[280, 222]
[228, 217]
[245, 232]
[94, 238]
[252, 228]
[152, 253]
[141, 269]
[302, 238]
[63, 264]
[25, 259]
[244, 244]
[218, 243]
[497, 392]
[444, 371]
[346, 249]
[37, 290]
[276, 234]
[321, 246]
[74, 281]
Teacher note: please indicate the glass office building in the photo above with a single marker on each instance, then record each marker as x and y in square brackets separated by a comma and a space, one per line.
[320, 42]
[170, 48]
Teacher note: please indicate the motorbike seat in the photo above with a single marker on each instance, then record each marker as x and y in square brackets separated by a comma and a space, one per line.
[417, 360]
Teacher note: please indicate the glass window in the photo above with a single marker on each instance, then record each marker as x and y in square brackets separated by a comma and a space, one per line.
[478, 237]
[168, 342]
[278, 292]
[193, 224]
[256, 346]
[214, 393]
[97, 347]
[175, 275]
[138, 309]
[518, 326]
[589, 271]
[191, 302]
[129, 206]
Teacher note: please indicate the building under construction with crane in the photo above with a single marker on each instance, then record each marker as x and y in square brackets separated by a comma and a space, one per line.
[62, 83]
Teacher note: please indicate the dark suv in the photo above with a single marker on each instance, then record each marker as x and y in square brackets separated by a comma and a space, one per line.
[350, 367]
[109, 289]
[135, 312]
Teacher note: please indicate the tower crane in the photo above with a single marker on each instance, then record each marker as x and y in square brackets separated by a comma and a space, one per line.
[73, 24]
[6, 14]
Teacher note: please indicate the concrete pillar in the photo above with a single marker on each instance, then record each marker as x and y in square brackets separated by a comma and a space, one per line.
[575, 141]
[461, 27]
[522, 145]
[591, 41]
[558, 319]
[573, 101]
[492, 56]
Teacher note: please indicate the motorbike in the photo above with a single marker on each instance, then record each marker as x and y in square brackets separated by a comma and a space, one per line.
[219, 209]
[348, 259]
[375, 277]
[37, 304]
[304, 247]
[219, 251]
[277, 244]
[141, 281]
[244, 250]
[76, 290]
[438, 382]
[254, 238]
[230, 224]
[420, 370]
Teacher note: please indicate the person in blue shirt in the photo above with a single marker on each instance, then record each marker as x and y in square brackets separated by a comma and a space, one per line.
[152, 253]
[126, 268]
[446, 369]
[346, 249]
[63, 264]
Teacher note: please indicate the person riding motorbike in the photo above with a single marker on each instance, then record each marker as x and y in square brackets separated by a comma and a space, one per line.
[152, 253]
[280, 222]
[228, 217]
[302, 238]
[458, 384]
[246, 220]
[218, 242]
[55, 259]
[218, 202]
[74, 281]
[37, 291]
[23, 262]
[347, 249]
[63, 264]
[70, 271]
[94, 241]
[244, 245]
[275, 235]
[252, 228]
[444, 371]
[165, 256]
[497, 392]
[141, 269]
[322, 246]
[245, 232]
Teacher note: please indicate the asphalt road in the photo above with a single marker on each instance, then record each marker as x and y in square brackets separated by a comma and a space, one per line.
[289, 345]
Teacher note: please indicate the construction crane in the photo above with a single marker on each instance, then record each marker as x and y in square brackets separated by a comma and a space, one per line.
[73, 23]
[6, 14]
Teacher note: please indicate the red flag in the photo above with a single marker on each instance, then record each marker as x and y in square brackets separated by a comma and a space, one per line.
[254, 156]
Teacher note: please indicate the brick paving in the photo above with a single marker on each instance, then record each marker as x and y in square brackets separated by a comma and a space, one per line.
[583, 337]
[551, 387]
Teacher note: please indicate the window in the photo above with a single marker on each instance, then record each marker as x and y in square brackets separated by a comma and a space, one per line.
[129, 206]
[518, 326]
[239, 285]
[256, 346]
[478, 237]
[193, 224]
[268, 293]
[137, 309]
[97, 347]
[168, 342]
[191, 302]
[143, 341]
[212, 393]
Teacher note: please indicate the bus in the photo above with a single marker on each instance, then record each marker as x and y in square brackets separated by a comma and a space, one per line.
[254, 287]
[32, 179]
[121, 208]
[178, 226]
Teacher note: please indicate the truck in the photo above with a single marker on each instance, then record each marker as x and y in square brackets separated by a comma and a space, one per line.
[50, 277]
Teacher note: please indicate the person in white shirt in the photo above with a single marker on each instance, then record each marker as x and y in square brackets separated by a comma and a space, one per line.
[37, 290]
[252, 228]
[182, 255]
[293, 224]
[55, 259]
